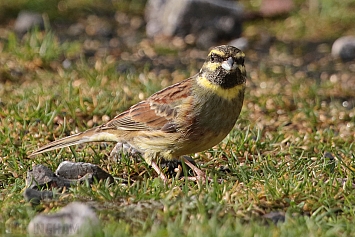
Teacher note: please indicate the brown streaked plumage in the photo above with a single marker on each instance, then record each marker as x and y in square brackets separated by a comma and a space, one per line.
[184, 118]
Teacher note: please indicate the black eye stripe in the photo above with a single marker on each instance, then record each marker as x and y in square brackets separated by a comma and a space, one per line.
[215, 58]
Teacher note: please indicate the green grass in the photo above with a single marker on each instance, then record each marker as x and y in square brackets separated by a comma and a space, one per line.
[299, 106]
[311, 20]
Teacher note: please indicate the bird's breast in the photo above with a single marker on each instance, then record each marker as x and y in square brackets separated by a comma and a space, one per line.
[212, 120]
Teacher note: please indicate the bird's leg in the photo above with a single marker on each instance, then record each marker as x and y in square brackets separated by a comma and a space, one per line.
[178, 172]
[200, 175]
[126, 148]
[158, 170]
[151, 159]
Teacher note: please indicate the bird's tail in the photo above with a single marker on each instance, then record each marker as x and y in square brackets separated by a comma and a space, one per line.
[91, 135]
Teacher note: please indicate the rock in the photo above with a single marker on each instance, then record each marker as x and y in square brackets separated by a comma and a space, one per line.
[79, 170]
[330, 161]
[27, 20]
[76, 29]
[75, 219]
[344, 48]
[42, 177]
[67, 175]
[154, 21]
[39, 175]
[275, 217]
[329, 156]
[224, 169]
[209, 20]
[34, 196]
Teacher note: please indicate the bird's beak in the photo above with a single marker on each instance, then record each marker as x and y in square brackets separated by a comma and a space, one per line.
[228, 64]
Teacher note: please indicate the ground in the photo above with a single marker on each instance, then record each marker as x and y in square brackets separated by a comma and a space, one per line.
[290, 155]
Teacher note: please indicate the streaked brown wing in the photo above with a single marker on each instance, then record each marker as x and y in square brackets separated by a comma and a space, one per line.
[155, 113]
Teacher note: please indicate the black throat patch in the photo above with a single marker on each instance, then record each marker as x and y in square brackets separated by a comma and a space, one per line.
[225, 80]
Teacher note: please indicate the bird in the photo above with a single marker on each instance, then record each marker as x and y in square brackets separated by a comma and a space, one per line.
[185, 118]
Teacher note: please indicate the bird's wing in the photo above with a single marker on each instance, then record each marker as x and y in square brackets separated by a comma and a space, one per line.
[155, 113]
[158, 112]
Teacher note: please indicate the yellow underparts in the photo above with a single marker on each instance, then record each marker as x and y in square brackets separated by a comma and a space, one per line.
[227, 94]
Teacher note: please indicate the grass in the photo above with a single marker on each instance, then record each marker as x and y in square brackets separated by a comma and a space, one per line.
[291, 151]
[310, 20]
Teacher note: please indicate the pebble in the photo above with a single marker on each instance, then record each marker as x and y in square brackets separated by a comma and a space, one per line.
[77, 170]
[67, 175]
[34, 196]
[344, 48]
[75, 219]
[275, 217]
[26, 20]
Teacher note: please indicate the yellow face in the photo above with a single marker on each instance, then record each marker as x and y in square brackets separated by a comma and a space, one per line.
[216, 55]
[223, 73]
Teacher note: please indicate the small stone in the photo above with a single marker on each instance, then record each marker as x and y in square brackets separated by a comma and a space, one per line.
[344, 48]
[75, 219]
[329, 155]
[27, 20]
[275, 217]
[39, 176]
[42, 177]
[79, 170]
[76, 29]
[35, 197]
[67, 175]
[66, 63]
[224, 169]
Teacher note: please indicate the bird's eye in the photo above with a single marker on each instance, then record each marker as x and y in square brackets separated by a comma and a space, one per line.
[213, 58]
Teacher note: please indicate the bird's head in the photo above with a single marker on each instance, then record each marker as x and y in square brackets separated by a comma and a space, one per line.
[224, 67]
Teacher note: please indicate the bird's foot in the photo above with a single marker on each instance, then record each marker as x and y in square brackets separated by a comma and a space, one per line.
[159, 172]
[200, 175]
